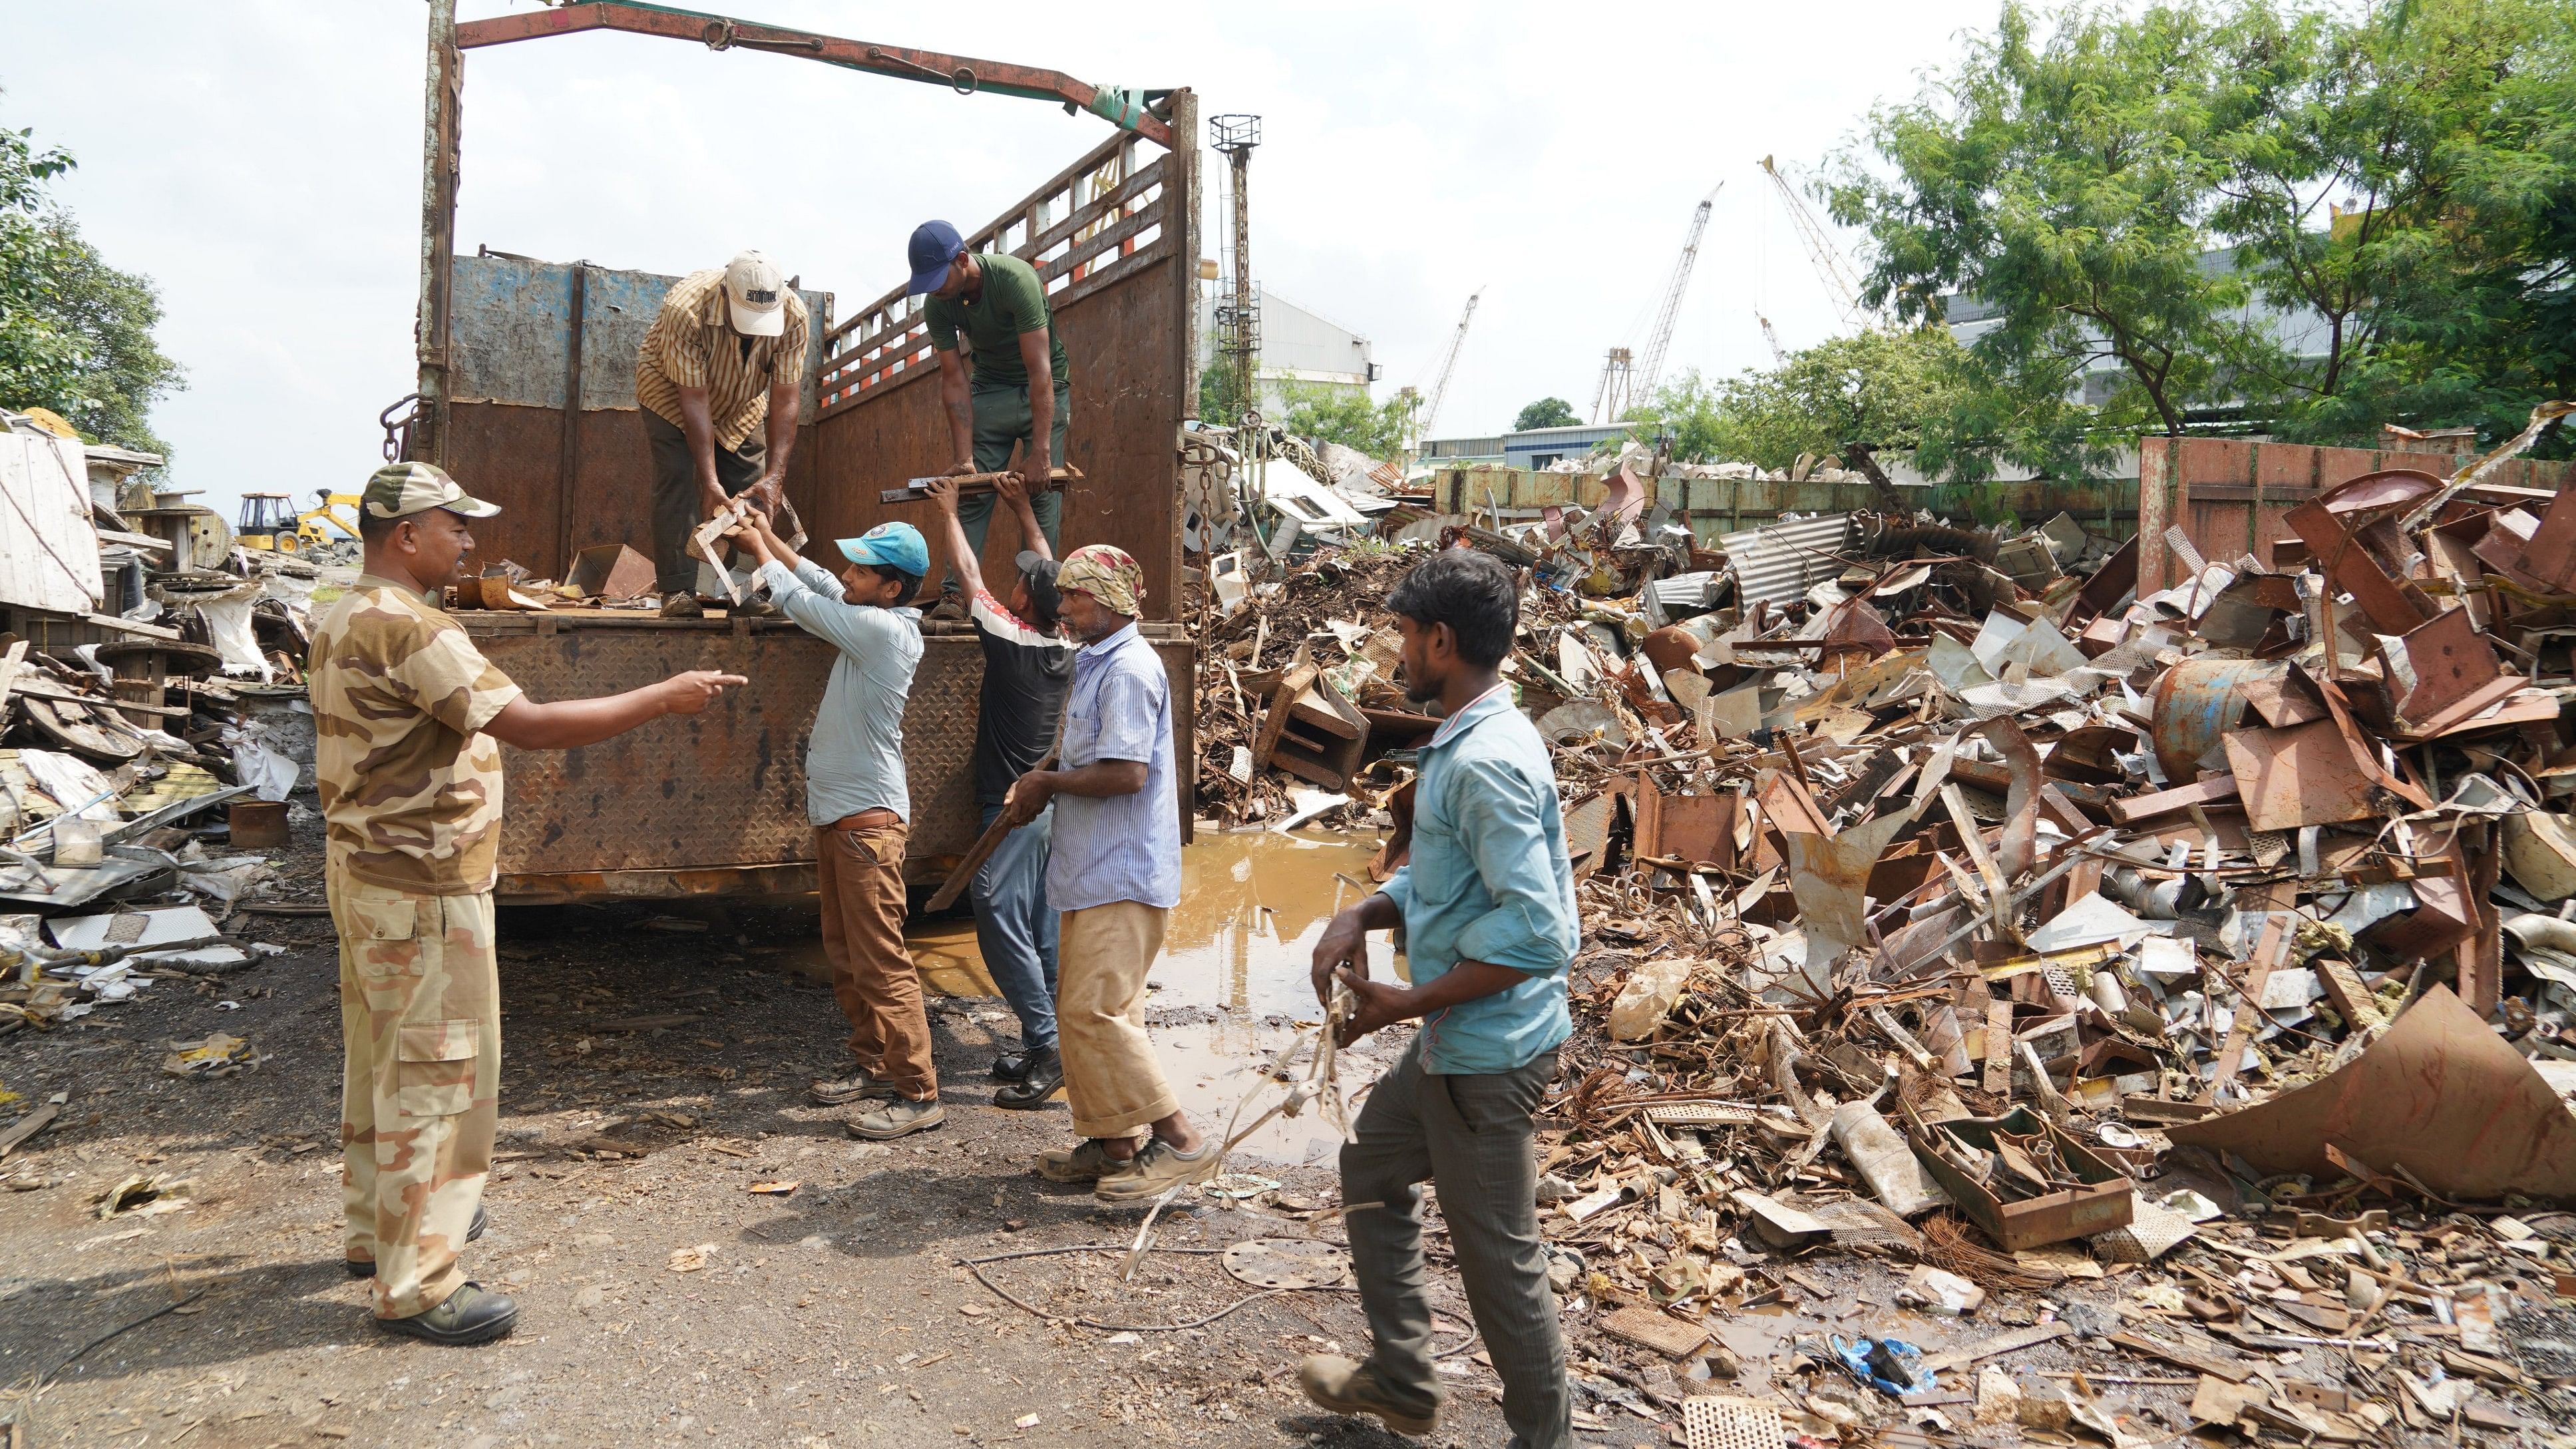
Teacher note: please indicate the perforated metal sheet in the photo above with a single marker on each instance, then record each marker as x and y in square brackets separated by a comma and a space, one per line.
[2152, 1232]
[1716, 1422]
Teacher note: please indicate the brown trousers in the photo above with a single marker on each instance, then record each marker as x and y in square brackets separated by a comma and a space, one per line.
[1111, 1078]
[872, 972]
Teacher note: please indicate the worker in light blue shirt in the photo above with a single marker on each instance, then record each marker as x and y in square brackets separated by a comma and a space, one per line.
[861, 807]
[1487, 905]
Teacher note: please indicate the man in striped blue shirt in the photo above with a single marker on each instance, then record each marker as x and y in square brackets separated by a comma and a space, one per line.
[1487, 904]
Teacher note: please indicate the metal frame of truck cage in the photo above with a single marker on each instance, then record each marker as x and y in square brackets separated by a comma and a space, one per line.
[526, 393]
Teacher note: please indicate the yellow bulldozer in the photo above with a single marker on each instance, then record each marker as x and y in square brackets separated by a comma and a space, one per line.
[269, 521]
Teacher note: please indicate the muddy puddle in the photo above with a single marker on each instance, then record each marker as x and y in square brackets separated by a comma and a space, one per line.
[1231, 987]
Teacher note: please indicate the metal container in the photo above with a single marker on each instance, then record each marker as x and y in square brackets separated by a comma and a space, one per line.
[2107, 1200]
[258, 824]
[2197, 701]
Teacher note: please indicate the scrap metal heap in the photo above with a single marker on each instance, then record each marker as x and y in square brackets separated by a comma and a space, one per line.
[1947, 901]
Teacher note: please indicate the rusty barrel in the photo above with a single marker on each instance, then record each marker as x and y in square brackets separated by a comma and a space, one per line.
[258, 824]
[2197, 701]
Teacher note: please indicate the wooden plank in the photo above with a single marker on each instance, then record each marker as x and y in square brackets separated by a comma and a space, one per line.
[31, 1124]
[130, 626]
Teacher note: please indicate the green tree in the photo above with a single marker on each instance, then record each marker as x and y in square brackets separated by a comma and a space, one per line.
[1877, 387]
[1547, 412]
[2395, 174]
[1221, 403]
[1345, 416]
[75, 333]
[2061, 180]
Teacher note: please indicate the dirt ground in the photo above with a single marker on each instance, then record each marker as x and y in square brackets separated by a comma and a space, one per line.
[834, 1315]
[654, 1071]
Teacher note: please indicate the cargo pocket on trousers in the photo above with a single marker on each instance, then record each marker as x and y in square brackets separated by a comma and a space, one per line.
[434, 1067]
[379, 932]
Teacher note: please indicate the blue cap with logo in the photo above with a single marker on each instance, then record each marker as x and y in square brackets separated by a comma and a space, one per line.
[934, 245]
[898, 546]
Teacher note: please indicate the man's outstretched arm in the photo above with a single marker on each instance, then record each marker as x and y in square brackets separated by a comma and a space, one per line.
[568, 724]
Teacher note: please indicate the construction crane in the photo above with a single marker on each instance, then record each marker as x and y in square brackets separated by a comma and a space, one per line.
[1448, 365]
[1832, 267]
[1628, 376]
[1779, 354]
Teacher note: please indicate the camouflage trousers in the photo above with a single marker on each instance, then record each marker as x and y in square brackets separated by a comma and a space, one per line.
[420, 1019]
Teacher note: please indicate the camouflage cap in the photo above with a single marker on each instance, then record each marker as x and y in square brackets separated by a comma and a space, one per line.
[399, 490]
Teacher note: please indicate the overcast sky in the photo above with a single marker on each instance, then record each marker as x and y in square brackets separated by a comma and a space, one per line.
[260, 160]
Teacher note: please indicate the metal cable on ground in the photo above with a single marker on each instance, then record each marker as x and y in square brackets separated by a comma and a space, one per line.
[976, 1267]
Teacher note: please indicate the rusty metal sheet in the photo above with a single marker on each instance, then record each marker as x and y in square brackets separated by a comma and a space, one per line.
[725, 788]
[2303, 775]
[2443, 671]
[2441, 1095]
[2338, 527]
[1696, 828]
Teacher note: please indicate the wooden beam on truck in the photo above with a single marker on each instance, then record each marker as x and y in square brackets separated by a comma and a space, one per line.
[1125, 109]
[916, 490]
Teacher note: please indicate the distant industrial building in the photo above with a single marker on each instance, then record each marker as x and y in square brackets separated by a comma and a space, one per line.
[1528, 448]
[1300, 347]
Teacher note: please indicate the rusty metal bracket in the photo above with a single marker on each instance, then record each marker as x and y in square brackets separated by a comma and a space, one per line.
[1124, 109]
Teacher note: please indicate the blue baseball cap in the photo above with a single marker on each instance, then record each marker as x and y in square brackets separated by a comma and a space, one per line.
[898, 546]
[934, 245]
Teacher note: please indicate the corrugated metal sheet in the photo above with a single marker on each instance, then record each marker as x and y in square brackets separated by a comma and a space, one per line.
[48, 548]
[1781, 562]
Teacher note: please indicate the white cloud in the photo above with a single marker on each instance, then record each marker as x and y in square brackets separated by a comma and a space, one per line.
[261, 161]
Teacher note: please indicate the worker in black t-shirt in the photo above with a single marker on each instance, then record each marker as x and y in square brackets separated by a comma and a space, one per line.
[1028, 668]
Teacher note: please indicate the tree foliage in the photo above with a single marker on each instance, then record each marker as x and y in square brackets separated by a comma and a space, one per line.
[1877, 387]
[75, 333]
[2303, 220]
[1547, 412]
[1345, 416]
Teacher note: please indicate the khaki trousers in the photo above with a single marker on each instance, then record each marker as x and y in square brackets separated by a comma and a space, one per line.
[420, 1022]
[872, 972]
[1111, 1077]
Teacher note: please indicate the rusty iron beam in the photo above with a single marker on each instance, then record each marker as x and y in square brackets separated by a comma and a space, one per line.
[963, 74]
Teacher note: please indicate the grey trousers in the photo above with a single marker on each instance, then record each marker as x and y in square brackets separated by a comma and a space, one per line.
[676, 510]
[1472, 1137]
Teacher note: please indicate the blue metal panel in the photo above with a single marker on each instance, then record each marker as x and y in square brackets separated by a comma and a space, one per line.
[513, 320]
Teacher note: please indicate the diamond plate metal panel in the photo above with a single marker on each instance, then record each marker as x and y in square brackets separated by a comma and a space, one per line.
[727, 788]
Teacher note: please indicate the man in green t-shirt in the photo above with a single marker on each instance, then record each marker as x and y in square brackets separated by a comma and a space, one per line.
[1019, 391]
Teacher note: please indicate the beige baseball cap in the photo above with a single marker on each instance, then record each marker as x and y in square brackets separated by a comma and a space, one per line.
[399, 490]
[757, 292]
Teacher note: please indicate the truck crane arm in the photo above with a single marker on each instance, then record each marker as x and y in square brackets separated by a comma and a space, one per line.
[1128, 110]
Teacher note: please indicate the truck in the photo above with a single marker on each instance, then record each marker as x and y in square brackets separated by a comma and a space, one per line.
[526, 394]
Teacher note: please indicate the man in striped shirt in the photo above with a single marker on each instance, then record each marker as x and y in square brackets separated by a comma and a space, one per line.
[725, 354]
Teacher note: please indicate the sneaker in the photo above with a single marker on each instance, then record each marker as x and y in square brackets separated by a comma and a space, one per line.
[471, 1314]
[1085, 1161]
[899, 1118]
[366, 1267]
[1158, 1167]
[858, 1086]
[1041, 1076]
[1351, 1388]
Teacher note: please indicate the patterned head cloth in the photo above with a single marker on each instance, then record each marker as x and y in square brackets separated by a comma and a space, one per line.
[1107, 574]
[399, 490]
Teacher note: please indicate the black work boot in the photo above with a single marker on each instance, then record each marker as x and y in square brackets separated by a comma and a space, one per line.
[1041, 1074]
[471, 1314]
[366, 1267]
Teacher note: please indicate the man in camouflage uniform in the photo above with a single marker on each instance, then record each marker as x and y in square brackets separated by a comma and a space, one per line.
[407, 709]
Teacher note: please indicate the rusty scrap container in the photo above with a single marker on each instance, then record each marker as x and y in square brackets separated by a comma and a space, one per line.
[2197, 701]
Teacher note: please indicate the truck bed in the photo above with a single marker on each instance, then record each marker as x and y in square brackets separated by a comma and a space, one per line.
[714, 804]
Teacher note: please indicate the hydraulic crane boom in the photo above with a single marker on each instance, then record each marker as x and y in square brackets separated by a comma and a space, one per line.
[1448, 365]
[1660, 339]
[1832, 267]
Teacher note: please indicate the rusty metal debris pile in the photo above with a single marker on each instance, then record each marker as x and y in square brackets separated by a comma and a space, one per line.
[2175, 984]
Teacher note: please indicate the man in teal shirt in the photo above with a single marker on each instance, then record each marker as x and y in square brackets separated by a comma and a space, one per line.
[1487, 906]
[1020, 390]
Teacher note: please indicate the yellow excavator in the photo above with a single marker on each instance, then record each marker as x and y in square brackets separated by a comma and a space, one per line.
[269, 521]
